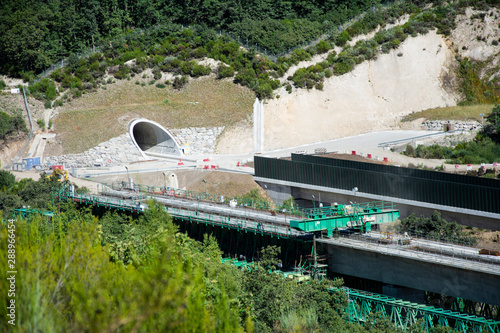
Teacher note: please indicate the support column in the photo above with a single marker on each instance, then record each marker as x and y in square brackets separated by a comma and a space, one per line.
[258, 126]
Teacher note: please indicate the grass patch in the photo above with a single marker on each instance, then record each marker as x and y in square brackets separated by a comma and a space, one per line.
[460, 113]
[103, 115]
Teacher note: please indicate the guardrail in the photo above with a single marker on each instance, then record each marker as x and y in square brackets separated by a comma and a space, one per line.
[22, 150]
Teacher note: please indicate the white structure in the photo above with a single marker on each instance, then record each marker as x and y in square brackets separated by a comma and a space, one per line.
[258, 126]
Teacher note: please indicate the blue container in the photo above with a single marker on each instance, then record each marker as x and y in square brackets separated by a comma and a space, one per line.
[36, 161]
[28, 163]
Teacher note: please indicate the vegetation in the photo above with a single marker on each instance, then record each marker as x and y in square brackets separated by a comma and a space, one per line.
[435, 227]
[475, 89]
[81, 272]
[459, 112]
[473, 152]
[170, 47]
[10, 125]
[485, 148]
[492, 128]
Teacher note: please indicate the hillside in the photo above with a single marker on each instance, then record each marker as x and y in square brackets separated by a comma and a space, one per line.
[422, 73]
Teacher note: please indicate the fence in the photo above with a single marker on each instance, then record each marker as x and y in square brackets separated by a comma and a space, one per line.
[138, 31]
[22, 150]
[418, 185]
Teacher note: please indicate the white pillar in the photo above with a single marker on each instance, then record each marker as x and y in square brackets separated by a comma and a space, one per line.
[258, 126]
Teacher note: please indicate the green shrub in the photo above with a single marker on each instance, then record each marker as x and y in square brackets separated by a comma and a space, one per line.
[44, 89]
[180, 82]
[157, 74]
[41, 123]
[342, 38]
[246, 77]
[78, 93]
[72, 82]
[48, 104]
[224, 71]
[2, 85]
[57, 75]
[200, 70]
[160, 85]
[264, 90]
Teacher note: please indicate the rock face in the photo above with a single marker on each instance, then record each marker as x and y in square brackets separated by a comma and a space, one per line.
[373, 97]
[117, 151]
[200, 140]
[121, 150]
[439, 125]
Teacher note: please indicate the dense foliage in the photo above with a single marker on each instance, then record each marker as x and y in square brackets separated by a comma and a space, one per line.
[36, 33]
[81, 272]
[154, 35]
[435, 227]
[11, 125]
[492, 126]
[472, 152]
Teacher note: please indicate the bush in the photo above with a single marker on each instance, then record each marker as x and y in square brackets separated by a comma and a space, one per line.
[72, 82]
[180, 82]
[264, 91]
[44, 89]
[323, 47]
[48, 104]
[41, 123]
[342, 38]
[435, 227]
[2, 85]
[157, 74]
[200, 70]
[160, 85]
[224, 71]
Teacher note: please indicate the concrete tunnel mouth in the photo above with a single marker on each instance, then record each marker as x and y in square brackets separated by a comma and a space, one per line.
[153, 139]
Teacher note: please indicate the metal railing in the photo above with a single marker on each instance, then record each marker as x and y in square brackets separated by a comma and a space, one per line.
[437, 254]
[22, 150]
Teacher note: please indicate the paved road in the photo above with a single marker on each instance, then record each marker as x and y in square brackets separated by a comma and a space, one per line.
[369, 143]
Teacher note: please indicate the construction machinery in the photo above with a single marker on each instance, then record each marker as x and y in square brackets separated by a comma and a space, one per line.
[58, 173]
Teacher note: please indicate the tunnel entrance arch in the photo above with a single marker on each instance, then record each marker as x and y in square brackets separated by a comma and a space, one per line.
[153, 139]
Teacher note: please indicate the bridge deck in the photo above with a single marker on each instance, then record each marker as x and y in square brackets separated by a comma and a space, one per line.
[261, 222]
[406, 251]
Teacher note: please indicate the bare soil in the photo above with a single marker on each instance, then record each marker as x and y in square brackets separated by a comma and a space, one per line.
[213, 182]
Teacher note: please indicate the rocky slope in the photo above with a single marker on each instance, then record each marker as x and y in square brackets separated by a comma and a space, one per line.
[419, 75]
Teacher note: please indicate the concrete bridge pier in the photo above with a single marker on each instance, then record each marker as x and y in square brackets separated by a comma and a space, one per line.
[416, 273]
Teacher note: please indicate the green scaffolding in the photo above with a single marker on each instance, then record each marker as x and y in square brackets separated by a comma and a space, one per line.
[404, 314]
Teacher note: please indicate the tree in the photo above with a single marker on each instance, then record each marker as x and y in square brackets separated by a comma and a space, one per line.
[492, 128]
[7, 179]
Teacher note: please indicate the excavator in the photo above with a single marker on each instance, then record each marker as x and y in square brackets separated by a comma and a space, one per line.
[59, 174]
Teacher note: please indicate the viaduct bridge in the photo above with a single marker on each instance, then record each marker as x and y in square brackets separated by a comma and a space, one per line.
[424, 265]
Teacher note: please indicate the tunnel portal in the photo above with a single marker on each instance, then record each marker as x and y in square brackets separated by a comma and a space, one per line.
[152, 138]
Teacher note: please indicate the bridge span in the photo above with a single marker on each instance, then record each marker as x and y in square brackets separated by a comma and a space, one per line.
[424, 265]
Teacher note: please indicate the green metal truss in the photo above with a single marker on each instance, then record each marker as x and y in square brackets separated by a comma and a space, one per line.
[404, 314]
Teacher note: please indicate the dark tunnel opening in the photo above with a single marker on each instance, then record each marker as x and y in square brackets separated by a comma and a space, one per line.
[151, 138]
